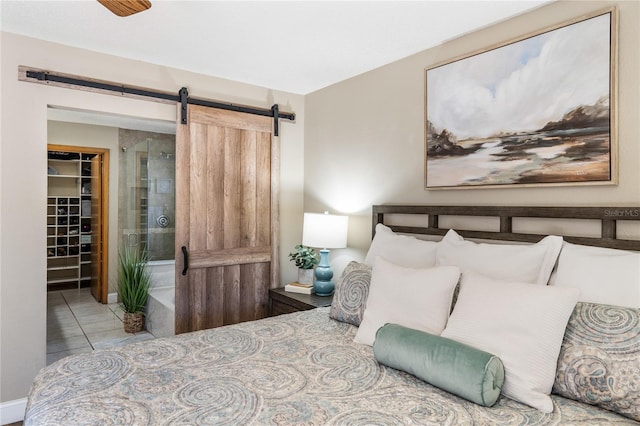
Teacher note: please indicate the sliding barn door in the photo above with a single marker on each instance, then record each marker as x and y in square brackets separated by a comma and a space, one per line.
[226, 218]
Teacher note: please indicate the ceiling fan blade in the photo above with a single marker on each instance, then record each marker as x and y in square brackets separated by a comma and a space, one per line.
[126, 7]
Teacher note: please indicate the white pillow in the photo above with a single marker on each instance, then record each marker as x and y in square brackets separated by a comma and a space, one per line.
[522, 324]
[414, 298]
[528, 263]
[402, 250]
[603, 275]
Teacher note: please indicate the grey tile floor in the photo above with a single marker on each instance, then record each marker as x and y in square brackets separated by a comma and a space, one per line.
[76, 323]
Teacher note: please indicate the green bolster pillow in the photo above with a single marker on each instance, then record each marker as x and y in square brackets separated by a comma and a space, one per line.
[455, 367]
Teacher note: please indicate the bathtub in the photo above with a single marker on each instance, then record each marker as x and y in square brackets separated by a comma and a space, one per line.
[160, 312]
[160, 309]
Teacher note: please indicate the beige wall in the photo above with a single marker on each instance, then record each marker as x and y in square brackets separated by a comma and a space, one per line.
[364, 138]
[23, 181]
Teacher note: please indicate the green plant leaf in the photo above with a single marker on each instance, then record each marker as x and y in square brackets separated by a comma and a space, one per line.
[304, 257]
[134, 279]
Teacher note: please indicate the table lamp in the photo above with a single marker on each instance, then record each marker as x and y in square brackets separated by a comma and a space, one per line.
[324, 231]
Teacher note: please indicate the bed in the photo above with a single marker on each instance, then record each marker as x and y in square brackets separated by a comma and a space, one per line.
[305, 368]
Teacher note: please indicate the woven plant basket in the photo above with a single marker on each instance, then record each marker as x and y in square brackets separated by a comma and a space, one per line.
[133, 323]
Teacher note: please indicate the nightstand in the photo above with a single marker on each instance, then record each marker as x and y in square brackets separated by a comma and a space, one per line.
[284, 302]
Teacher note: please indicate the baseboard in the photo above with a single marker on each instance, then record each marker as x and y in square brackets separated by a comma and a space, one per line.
[12, 411]
[112, 298]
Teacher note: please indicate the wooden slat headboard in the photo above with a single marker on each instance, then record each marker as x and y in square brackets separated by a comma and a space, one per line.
[608, 217]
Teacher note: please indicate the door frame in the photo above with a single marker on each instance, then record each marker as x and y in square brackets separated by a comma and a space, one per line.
[103, 153]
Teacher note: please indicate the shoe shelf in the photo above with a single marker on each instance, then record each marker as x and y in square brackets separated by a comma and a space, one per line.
[68, 219]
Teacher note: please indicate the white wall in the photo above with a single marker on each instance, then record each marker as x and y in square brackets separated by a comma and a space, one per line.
[364, 137]
[23, 181]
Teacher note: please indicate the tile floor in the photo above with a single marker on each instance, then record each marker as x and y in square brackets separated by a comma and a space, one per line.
[76, 323]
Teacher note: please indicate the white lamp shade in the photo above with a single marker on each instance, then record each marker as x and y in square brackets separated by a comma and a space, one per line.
[324, 230]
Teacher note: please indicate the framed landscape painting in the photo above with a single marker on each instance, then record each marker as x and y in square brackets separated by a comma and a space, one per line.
[536, 111]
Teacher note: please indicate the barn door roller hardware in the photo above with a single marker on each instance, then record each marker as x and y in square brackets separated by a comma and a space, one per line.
[273, 112]
[77, 82]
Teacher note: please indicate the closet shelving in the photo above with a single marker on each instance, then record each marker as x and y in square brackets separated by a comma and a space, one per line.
[69, 220]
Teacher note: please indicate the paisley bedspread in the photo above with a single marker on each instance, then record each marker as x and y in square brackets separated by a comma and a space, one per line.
[301, 368]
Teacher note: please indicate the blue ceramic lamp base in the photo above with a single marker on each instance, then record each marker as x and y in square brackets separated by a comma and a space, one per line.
[323, 285]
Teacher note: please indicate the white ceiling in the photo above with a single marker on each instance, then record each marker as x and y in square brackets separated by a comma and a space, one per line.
[294, 46]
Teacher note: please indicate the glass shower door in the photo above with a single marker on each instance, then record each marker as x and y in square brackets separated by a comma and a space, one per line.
[161, 202]
[133, 192]
[147, 193]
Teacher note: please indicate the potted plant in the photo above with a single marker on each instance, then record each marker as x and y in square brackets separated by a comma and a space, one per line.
[305, 258]
[134, 280]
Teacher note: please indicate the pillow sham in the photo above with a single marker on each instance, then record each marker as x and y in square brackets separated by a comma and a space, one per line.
[603, 275]
[414, 298]
[530, 263]
[457, 368]
[402, 250]
[351, 292]
[523, 324]
[599, 362]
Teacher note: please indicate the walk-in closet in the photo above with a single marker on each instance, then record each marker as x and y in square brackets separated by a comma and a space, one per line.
[68, 219]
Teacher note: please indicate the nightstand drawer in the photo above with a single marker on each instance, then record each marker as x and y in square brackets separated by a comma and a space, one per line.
[279, 308]
[283, 302]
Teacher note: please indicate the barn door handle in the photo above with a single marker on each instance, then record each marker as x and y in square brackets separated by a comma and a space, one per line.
[185, 257]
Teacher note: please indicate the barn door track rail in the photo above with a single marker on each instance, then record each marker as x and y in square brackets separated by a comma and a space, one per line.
[35, 75]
